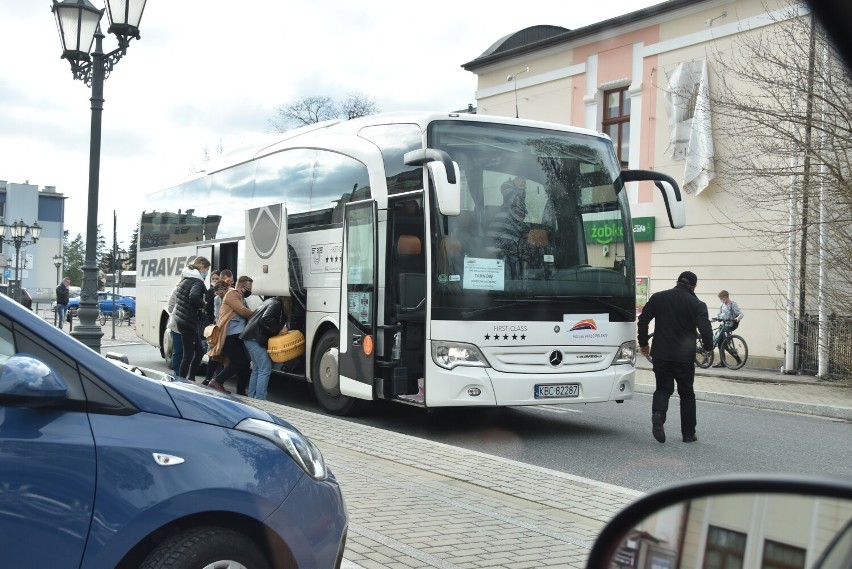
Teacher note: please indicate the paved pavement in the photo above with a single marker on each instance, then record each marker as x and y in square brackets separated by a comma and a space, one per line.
[414, 503]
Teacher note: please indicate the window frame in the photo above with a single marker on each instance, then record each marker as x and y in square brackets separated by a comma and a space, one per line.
[724, 551]
[618, 121]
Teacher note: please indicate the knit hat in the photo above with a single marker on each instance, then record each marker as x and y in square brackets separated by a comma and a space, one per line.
[688, 277]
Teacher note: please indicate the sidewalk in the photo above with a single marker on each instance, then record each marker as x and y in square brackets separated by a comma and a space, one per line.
[763, 389]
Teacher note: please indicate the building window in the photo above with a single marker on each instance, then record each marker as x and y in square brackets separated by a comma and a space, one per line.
[725, 549]
[616, 121]
[782, 556]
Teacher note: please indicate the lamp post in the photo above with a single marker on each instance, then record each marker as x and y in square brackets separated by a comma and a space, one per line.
[514, 78]
[121, 257]
[78, 22]
[57, 262]
[118, 259]
[19, 231]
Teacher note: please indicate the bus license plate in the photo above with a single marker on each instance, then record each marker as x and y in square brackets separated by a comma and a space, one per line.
[543, 391]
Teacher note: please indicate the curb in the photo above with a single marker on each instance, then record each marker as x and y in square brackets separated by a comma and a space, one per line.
[843, 413]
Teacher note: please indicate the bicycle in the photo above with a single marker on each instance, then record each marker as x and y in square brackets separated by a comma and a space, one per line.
[734, 347]
[124, 315]
[702, 359]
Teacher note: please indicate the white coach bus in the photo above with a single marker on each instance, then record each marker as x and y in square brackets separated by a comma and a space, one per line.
[436, 259]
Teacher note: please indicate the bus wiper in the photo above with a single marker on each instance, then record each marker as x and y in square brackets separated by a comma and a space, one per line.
[506, 304]
[624, 312]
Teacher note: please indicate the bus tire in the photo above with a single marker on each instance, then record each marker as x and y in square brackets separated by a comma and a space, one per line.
[325, 377]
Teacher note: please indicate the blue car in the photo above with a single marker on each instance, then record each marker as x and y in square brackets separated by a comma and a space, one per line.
[104, 467]
[106, 303]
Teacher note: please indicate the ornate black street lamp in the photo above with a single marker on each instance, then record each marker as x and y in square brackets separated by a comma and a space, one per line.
[57, 262]
[78, 22]
[19, 231]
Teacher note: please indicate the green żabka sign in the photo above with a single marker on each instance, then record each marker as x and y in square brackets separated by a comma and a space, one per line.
[606, 231]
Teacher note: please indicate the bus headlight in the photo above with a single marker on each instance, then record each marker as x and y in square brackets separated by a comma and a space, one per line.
[626, 354]
[451, 354]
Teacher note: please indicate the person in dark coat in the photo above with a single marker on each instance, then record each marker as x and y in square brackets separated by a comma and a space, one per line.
[678, 313]
[189, 315]
[63, 294]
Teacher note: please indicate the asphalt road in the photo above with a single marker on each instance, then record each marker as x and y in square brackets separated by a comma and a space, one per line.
[608, 442]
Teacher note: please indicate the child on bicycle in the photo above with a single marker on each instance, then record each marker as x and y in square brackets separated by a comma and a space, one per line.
[730, 314]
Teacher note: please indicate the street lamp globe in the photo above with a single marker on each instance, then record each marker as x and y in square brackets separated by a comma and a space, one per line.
[19, 229]
[77, 22]
[124, 17]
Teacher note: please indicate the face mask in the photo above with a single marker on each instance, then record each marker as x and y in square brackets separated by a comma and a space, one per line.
[246, 293]
[203, 275]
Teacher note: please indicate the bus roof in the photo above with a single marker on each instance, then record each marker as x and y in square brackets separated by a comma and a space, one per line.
[264, 143]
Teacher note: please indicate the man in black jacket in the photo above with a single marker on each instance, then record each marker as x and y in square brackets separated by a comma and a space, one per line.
[678, 313]
[63, 294]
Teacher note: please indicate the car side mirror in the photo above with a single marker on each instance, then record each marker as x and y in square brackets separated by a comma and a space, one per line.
[25, 381]
[748, 522]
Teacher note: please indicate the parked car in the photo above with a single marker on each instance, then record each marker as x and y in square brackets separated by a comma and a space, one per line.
[106, 303]
[26, 298]
[105, 466]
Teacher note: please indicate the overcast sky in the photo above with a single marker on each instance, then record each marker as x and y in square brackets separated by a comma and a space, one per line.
[211, 72]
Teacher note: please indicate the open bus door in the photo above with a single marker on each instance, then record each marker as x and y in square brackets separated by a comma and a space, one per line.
[358, 299]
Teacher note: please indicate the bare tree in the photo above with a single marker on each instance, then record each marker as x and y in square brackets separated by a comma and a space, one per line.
[784, 125]
[358, 105]
[310, 110]
[781, 113]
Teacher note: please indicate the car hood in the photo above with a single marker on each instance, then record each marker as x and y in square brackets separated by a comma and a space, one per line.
[206, 405]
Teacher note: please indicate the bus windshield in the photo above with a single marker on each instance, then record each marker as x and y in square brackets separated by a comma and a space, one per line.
[544, 226]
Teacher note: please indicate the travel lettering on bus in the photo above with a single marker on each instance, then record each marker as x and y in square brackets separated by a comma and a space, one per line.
[164, 266]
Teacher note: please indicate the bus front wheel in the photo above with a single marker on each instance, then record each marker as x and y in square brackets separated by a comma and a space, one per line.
[325, 377]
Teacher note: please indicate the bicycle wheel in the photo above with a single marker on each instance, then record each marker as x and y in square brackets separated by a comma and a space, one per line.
[735, 352]
[121, 315]
[702, 359]
[102, 318]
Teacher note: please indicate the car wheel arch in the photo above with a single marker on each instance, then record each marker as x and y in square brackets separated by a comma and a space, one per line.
[275, 550]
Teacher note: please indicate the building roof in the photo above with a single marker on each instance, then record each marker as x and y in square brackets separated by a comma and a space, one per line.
[535, 38]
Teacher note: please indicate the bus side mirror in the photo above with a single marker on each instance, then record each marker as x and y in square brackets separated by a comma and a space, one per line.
[444, 174]
[449, 195]
[668, 187]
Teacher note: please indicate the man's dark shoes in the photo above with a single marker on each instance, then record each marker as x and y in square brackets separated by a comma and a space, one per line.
[720, 364]
[690, 438]
[218, 386]
[657, 428]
